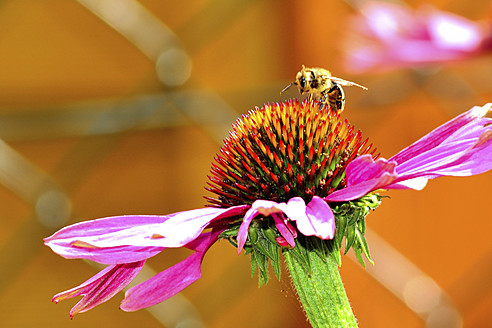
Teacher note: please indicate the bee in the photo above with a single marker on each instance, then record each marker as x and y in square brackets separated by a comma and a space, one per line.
[323, 87]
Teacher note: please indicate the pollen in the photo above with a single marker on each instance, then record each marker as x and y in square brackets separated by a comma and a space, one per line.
[284, 150]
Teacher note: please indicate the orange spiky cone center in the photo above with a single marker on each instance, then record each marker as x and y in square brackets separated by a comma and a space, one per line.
[284, 150]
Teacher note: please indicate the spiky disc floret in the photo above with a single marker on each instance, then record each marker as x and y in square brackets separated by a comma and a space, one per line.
[284, 150]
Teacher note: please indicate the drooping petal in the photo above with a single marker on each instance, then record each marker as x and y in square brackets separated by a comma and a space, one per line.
[474, 116]
[109, 255]
[321, 220]
[295, 209]
[101, 287]
[130, 238]
[173, 280]
[363, 176]
[182, 229]
[460, 147]
[242, 234]
[285, 228]
[263, 207]
[282, 242]
[415, 184]
[316, 219]
[474, 160]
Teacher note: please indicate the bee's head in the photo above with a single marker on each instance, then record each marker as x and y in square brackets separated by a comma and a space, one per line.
[301, 83]
[303, 79]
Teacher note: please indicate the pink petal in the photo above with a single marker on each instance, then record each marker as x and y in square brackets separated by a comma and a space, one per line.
[101, 287]
[474, 160]
[363, 176]
[321, 221]
[242, 234]
[386, 21]
[263, 207]
[411, 183]
[316, 219]
[285, 228]
[173, 280]
[110, 255]
[123, 239]
[443, 132]
[460, 147]
[282, 242]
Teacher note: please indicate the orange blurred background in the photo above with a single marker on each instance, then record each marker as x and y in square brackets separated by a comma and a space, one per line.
[94, 122]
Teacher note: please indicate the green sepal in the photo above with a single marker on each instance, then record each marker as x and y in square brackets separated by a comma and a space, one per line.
[230, 232]
[275, 261]
[340, 229]
[270, 234]
[301, 255]
[358, 254]
[313, 245]
[349, 238]
[263, 248]
[335, 253]
[261, 245]
[350, 223]
[363, 246]
[260, 262]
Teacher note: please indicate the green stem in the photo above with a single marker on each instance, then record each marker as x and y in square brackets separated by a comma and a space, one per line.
[321, 291]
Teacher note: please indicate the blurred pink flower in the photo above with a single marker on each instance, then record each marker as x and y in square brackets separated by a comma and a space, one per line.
[387, 35]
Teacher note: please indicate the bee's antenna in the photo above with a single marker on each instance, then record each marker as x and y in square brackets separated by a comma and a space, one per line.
[291, 84]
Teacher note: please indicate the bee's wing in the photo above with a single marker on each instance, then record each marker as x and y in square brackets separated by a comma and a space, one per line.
[344, 83]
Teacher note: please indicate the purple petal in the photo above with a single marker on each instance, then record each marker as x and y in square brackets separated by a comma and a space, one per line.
[464, 149]
[295, 209]
[109, 255]
[443, 132]
[123, 239]
[285, 228]
[242, 234]
[413, 183]
[316, 219]
[321, 221]
[264, 207]
[363, 176]
[101, 287]
[460, 147]
[173, 280]
[281, 241]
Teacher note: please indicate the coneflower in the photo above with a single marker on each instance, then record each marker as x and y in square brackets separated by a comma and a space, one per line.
[291, 179]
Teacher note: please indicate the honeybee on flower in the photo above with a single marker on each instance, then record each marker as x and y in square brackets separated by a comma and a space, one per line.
[322, 86]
